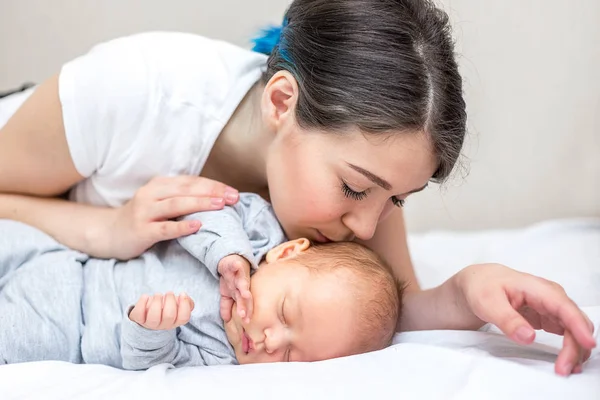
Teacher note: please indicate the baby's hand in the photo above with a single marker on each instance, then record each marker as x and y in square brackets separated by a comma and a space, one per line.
[162, 312]
[235, 286]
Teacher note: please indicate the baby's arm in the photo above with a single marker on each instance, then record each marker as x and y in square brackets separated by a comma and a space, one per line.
[21, 243]
[223, 245]
[249, 229]
[230, 242]
[149, 333]
[221, 234]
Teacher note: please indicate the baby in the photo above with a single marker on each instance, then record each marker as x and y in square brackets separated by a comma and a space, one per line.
[310, 302]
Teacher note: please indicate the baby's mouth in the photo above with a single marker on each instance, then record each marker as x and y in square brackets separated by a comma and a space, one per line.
[246, 342]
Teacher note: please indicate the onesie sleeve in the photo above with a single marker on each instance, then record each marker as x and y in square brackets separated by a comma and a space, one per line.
[221, 234]
[249, 228]
[143, 348]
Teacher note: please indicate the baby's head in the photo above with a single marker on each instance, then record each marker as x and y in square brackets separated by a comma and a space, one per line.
[314, 303]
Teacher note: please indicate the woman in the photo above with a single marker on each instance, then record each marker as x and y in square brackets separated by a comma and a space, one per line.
[358, 105]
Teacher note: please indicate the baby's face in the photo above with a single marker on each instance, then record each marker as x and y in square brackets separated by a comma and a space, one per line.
[298, 316]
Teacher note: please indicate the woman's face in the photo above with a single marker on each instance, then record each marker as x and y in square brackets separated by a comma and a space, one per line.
[337, 186]
[328, 186]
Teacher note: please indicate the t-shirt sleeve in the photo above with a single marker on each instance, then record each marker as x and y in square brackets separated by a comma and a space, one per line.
[106, 96]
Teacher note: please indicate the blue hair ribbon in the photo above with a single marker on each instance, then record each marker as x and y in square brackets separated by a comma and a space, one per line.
[270, 38]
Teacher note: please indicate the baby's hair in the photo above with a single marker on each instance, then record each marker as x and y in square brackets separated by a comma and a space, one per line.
[377, 292]
[383, 66]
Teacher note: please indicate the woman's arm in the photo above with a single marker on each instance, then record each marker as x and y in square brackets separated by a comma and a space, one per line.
[75, 225]
[35, 160]
[515, 302]
[34, 155]
[35, 164]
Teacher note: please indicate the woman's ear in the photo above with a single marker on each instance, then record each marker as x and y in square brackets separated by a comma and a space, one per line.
[279, 99]
[288, 250]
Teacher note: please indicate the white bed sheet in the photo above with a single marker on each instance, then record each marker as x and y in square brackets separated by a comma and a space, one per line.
[421, 365]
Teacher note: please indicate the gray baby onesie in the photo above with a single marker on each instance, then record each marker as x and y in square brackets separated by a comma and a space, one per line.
[60, 304]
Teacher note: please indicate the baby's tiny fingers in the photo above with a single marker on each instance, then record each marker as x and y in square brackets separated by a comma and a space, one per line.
[226, 305]
[249, 307]
[138, 313]
[242, 284]
[238, 265]
[184, 310]
[241, 309]
[154, 315]
[245, 293]
[169, 312]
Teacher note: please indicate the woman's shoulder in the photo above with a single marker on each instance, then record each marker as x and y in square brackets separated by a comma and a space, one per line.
[193, 69]
[185, 51]
[134, 97]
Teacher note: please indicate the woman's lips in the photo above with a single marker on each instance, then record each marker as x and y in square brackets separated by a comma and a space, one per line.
[322, 238]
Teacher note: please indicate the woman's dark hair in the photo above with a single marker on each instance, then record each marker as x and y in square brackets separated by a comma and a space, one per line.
[379, 65]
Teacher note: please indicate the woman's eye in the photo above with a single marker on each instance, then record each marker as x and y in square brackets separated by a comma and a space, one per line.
[398, 202]
[352, 194]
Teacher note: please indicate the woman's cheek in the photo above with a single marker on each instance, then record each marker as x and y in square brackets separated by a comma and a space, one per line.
[387, 211]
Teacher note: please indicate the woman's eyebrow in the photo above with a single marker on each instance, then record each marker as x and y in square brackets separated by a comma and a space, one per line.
[380, 181]
[372, 177]
[417, 189]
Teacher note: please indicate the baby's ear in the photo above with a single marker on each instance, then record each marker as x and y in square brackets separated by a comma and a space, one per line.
[288, 250]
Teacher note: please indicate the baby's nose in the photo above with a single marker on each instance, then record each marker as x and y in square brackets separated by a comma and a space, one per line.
[273, 340]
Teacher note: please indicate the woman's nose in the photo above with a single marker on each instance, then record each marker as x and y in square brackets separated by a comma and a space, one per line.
[362, 222]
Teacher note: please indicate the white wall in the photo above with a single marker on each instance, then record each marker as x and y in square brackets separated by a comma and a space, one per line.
[532, 80]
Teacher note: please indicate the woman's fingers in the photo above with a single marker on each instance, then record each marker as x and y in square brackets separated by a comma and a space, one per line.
[174, 207]
[167, 230]
[161, 188]
[542, 320]
[496, 309]
[571, 356]
[552, 301]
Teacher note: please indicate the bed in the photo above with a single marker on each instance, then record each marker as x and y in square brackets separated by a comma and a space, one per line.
[420, 365]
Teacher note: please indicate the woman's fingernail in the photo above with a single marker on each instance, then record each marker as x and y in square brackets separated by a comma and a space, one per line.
[568, 369]
[194, 224]
[231, 195]
[524, 334]
[216, 201]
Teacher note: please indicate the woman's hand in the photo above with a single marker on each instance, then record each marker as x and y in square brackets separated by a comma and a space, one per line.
[517, 303]
[148, 217]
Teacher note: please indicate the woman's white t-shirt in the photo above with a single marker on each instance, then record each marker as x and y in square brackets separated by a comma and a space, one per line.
[149, 105]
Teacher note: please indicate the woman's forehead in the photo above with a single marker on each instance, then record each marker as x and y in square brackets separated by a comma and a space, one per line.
[406, 161]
